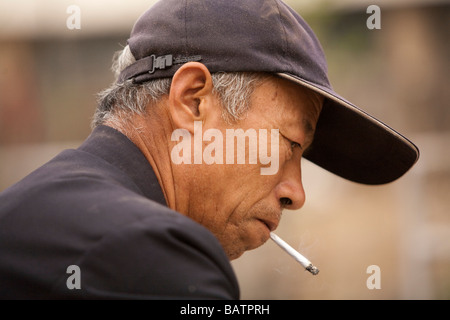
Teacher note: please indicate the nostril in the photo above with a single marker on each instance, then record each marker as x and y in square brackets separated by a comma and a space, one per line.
[285, 201]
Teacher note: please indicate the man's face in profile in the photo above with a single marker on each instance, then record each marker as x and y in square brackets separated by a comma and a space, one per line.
[238, 203]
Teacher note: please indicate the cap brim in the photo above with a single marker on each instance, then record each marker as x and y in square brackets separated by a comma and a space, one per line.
[354, 145]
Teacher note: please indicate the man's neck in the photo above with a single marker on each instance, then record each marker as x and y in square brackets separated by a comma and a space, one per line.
[152, 138]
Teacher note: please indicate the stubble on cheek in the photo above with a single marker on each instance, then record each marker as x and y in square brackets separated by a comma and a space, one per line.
[244, 231]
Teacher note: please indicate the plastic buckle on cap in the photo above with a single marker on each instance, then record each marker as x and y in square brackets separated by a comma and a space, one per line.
[161, 62]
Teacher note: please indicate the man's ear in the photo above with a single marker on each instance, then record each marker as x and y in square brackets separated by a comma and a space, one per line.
[190, 95]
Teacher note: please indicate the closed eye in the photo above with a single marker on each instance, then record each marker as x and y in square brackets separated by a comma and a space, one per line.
[295, 144]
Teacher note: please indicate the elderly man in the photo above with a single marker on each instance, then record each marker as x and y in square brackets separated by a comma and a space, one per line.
[194, 154]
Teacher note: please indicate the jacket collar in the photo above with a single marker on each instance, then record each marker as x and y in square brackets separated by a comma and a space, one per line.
[115, 148]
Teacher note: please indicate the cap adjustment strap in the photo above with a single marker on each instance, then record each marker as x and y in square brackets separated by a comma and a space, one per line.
[151, 63]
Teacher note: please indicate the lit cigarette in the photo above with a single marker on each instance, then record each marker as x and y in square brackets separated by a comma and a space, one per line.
[295, 254]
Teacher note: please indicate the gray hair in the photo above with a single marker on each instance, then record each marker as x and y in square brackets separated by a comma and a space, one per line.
[121, 100]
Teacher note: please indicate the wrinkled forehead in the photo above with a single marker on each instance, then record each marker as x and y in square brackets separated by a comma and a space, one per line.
[287, 104]
[301, 98]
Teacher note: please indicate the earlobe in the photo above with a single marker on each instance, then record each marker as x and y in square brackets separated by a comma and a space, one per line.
[190, 91]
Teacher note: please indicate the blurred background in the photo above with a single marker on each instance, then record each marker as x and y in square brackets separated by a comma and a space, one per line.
[50, 74]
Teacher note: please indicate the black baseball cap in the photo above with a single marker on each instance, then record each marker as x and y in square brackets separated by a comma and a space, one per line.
[269, 36]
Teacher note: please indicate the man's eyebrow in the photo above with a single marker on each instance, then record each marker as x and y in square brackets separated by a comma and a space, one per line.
[309, 131]
[307, 123]
[307, 126]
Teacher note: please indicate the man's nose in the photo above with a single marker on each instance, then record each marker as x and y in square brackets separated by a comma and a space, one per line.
[290, 190]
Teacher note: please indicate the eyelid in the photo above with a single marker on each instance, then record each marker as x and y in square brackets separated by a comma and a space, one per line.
[293, 143]
[297, 144]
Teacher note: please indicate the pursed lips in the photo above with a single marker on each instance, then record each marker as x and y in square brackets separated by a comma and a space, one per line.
[271, 224]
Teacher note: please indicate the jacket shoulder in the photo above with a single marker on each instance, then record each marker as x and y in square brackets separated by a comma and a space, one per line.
[162, 255]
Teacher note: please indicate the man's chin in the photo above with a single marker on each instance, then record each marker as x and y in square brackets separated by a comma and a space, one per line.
[235, 255]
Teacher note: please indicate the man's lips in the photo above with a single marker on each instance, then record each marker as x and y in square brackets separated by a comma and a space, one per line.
[271, 224]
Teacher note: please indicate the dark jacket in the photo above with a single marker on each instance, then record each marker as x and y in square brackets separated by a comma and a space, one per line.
[100, 208]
